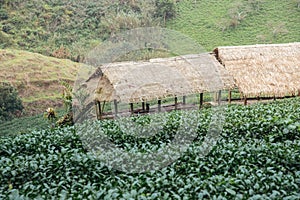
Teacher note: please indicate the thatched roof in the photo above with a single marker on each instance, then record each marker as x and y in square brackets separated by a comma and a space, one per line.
[160, 78]
[272, 69]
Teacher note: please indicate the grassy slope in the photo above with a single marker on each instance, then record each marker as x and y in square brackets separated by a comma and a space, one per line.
[25, 124]
[36, 77]
[201, 21]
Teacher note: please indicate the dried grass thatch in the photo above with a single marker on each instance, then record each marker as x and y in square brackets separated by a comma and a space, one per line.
[263, 69]
[131, 82]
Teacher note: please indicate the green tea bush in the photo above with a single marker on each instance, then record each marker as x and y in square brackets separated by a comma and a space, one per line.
[257, 157]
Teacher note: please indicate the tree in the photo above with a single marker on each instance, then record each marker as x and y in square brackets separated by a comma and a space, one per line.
[10, 103]
[165, 9]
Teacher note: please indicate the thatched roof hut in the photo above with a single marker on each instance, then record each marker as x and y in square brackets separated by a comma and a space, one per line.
[258, 70]
[131, 82]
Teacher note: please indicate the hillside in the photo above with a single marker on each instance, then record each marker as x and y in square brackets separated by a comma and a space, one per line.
[37, 77]
[236, 22]
[68, 29]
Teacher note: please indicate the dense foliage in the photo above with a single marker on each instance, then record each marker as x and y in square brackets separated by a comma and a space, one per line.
[10, 102]
[257, 157]
[67, 29]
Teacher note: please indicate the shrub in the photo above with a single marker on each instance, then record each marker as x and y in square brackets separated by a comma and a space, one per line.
[3, 14]
[165, 9]
[10, 103]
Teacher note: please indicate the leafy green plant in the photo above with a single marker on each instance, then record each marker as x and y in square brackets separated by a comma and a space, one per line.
[257, 157]
[10, 102]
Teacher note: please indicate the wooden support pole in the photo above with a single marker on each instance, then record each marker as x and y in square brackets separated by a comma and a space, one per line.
[103, 107]
[116, 107]
[147, 107]
[299, 93]
[229, 96]
[159, 105]
[176, 102]
[245, 100]
[131, 108]
[201, 100]
[219, 97]
[99, 109]
[143, 106]
[184, 100]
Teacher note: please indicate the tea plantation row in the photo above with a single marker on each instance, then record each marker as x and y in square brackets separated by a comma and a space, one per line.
[256, 157]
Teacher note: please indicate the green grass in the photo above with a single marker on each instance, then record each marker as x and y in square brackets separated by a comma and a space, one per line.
[24, 125]
[37, 78]
[202, 20]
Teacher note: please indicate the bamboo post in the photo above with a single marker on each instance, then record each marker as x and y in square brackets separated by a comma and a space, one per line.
[176, 102]
[184, 100]
[143, 106]
[159, 105]
[131, 108]
[97, 110]
[116, 106]
[219, 97]
[147, 107]
[201, 100]
[245, 100]
[299, 93]
[229, 96]
[103, 107]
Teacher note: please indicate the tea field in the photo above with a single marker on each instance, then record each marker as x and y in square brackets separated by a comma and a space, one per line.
[256, 157]
[25, 124]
